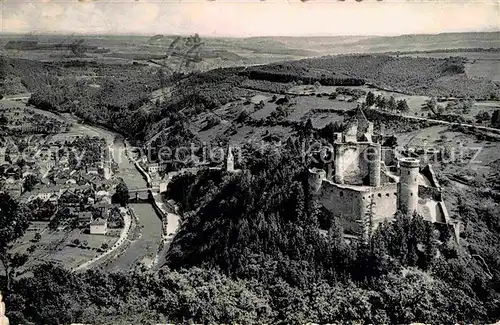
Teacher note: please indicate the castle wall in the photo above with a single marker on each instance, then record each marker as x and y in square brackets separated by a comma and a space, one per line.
[316, 177]
[388, 156]
[351, 163]
[385, 198]
[352, 204]
[344, 202]
[429, 173]
[429, 193]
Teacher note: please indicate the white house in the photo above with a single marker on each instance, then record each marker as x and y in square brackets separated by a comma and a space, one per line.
[98, 226]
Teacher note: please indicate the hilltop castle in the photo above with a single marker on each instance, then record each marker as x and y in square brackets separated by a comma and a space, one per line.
[366, 183]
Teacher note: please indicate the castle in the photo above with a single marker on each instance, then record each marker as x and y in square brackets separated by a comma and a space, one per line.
[366, 184]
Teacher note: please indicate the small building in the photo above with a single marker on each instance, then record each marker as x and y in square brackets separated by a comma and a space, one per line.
[98, 226]
[103, 196]
[92, 170]
[54, 198]
[14, 189]
[153, 168]
[103, 208]
[2, 155]
[84, 218]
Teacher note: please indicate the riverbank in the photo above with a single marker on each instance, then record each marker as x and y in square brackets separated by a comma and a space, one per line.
[123, 236]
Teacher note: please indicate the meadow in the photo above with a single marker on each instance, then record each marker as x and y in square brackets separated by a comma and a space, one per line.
[57, 246]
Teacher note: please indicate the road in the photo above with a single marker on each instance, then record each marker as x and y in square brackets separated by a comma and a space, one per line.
[418, 118]
[123, 237]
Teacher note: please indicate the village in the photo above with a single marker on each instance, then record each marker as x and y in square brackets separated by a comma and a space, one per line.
[69, 181]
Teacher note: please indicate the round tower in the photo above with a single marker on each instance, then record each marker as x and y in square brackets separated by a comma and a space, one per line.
[338, 164]
[408, 185]
[374, 164]
[316, 177]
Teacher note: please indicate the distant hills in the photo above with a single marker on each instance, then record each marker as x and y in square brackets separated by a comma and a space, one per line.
[374, 44]
[302, 46]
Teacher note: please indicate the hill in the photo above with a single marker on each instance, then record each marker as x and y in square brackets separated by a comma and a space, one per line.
[120, 95]
[419, 76]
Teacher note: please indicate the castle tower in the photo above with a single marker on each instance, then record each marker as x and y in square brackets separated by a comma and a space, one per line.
[315, 179]
[365, 127]
[338, 164]
[374, 164]
[408, 185]
[229, 160]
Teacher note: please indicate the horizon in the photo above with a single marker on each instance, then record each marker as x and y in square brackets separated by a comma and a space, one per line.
[245, 19]
[54, 33]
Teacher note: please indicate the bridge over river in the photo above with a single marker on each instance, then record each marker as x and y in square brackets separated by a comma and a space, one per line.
[142, 194]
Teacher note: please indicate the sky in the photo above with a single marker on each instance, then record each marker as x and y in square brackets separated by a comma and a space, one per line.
[245, 18]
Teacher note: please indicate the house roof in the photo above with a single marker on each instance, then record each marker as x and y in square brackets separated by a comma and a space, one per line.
[99, 222]
[86, 215]
[102, 205]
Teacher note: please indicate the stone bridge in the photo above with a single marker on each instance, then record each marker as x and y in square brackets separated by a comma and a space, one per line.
[143, 194]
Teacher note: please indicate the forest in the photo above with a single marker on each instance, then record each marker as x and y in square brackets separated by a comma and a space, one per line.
[419, 76]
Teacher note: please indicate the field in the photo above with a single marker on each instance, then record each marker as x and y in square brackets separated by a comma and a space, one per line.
[21, 119]
[472, 158]
[56, 246]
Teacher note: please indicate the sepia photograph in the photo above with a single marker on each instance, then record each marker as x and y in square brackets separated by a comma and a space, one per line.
[251, 162]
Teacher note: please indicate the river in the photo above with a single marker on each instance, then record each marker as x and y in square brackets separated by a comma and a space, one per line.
[145, 248]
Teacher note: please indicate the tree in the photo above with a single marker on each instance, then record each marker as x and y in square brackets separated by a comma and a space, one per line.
[244, 115]
[482, 117]
[308, 128]
[402, 106]
[104, 246]
[121, 193]
[370, 99]
[430, 105]
[13, 224]
[37, 237]
[212, 121]
[391, 104]
[76, 242]
[260, 105]
[380, 102]
[3, 120]
[495, 119]
[30, 182]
